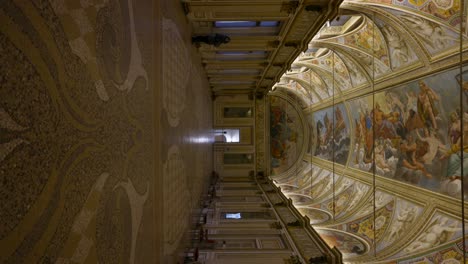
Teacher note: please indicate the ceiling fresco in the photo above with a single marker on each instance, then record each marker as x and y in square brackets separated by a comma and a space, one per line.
[397, 230]
[383, 179]
[286, 131]
[378, 40]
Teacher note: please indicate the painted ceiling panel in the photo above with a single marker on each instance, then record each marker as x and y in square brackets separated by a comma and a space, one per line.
[435, 37]
[439, 230]
[301, 91]
[356, 74]
[365, 38]
[286, 131]
[406, 214]
[394, 195]
[401, 53]
[332, 65]
[341, 73]
[398, 228]
[447, 11]
[315, 82]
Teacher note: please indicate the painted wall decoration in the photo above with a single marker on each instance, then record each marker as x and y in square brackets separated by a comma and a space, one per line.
[356, 74]
[417, 132]
[369, 40]
[400, 52]
[372, 227]
[300, 199]
[406, 214]
[321, 184]
[441, 229]
[348, 244]
[435, 37]
[399, 225]
[340, 202]
[316, 82]
[407, 133]
[447, 11]
[237, 112]
[316, 216]
[451, 253]
[332, 134]
[368, 46]
[286, 134]
[306, 96]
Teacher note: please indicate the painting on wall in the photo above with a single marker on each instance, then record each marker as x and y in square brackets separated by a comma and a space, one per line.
[441, 229]
[349, 245]
[400, 52]
[286, 135]
[312, 139]
[372, 227]
[412, 133]
[332, 134]
[406, 214]
[316, 216]
[435, 37]
[449, 254]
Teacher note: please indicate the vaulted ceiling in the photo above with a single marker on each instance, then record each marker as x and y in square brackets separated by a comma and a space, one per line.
[409, 38]
[265, 38]
[374, 55]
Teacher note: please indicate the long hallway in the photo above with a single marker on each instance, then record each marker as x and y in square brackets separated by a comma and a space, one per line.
[337, 131]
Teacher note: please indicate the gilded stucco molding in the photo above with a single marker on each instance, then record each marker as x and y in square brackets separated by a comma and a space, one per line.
[260, 133]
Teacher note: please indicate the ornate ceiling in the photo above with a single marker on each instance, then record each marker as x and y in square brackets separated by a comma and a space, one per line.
[265, 38]
[406, 35]
[362, 83]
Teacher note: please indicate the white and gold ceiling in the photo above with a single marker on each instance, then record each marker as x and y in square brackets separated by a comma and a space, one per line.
[375, 56]
[407, 36]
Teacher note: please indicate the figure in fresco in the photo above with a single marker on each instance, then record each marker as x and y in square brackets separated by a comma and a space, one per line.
[413, 121]
[319, 140]
[333, 137]
[411, 99]
[409, 161]
[433, 35]
[359, 135]
[339, 121]
[409, 136]
[395, 41]
[438, 233]
[380, 160]
[283, 137]
[328, 130]
[454, 132]
[383, 127]
[404, 219]
[434, 144]
[397, 115]
[364, 138]
[427, 109]
[452, 184]
[360, 189]
[369, 136]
